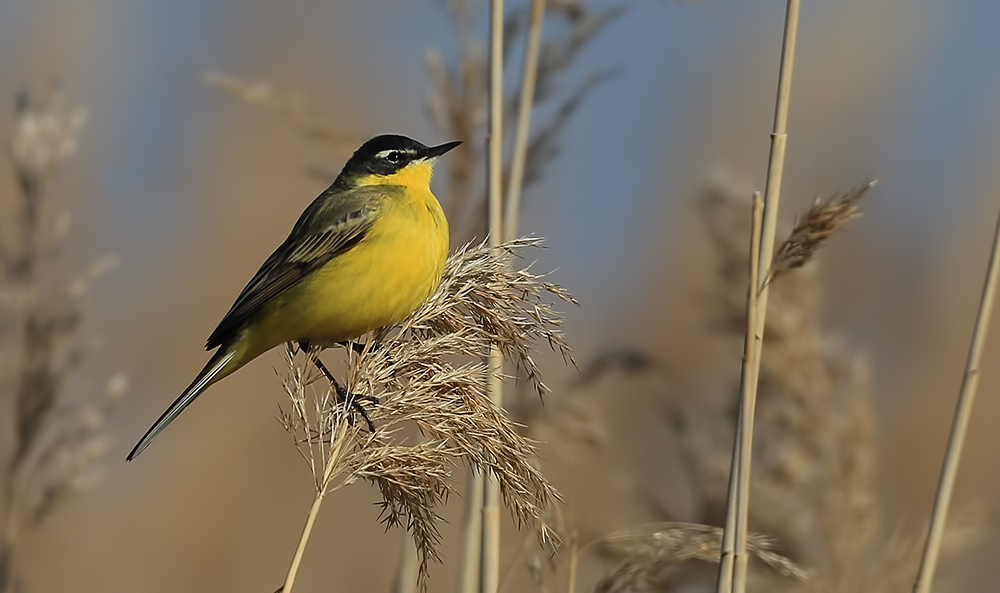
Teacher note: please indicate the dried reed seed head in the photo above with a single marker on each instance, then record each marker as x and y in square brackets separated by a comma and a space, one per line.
[65, 458]
[821, 221]
[52, 353]
[429, 374]
[648, 554]
[45, 133]
[814, 450]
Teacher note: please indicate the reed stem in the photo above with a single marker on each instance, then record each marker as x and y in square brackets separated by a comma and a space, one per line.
[728, 554]
[743, 443]
[748, 397]
[472, 534]
[960, 424]
[522, 135]
[332, 467]
[489, 576]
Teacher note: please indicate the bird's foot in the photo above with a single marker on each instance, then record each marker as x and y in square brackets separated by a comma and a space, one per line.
[354, 403]
[353, 400]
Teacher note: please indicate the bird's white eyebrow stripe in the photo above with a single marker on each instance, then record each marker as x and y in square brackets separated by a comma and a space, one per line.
[384, 153]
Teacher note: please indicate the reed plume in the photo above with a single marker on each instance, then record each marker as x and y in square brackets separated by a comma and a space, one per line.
[649, 555]
[428, 374]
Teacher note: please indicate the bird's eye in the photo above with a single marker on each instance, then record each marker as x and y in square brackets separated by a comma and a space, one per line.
[394, 156]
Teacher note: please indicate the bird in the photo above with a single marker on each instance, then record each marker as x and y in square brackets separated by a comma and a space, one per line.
[364, 254]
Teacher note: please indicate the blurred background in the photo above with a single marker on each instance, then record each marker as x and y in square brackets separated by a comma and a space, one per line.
[192, 185]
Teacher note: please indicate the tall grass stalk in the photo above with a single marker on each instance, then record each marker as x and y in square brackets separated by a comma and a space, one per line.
[750, 372]
[409, 566]
[574, 562]
[728, 557]
[515, 183]
[515, 562]
[772, 196]
[332, 466]
[489, 575]
[960, 424]
[472, 534]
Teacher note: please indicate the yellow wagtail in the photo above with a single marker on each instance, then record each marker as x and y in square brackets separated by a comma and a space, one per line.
[365, 254]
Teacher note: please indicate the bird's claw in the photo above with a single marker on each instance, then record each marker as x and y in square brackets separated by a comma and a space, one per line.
[354, 403]
[353, 400]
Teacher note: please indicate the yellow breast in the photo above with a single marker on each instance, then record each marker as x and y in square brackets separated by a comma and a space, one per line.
[378, 282]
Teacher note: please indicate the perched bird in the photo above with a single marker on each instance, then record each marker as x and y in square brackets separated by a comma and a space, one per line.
[365, 254]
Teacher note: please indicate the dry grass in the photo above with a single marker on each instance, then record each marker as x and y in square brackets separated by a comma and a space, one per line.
[824, 219]
[895, 557]
[52, 432]
[814, 452]
[813, 485]
[428, 374]
[649, 555]
[815, 445]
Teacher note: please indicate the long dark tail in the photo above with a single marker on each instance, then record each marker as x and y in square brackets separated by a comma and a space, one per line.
[206, 377]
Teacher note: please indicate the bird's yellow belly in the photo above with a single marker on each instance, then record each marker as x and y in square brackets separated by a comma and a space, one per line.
[378, 282]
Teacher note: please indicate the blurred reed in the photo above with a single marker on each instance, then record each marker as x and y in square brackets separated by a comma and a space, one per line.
[813, 488]
[53, 429]
[489, 541]
[960, 424]
[733, 562]
[648, 554]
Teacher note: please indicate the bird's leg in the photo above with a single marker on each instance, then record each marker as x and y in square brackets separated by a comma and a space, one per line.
[342, 394]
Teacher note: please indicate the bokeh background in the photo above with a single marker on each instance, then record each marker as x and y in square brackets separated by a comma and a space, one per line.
[193, 188]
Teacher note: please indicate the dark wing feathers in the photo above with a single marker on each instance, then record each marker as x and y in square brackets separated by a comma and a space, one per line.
[324, 231]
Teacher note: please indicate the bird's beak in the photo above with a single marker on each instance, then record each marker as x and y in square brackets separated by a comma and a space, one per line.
[435, 151]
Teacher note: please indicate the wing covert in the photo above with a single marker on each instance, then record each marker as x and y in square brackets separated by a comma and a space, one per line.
[311, 244]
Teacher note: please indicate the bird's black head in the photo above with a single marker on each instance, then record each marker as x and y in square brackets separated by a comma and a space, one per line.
[386, 155]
